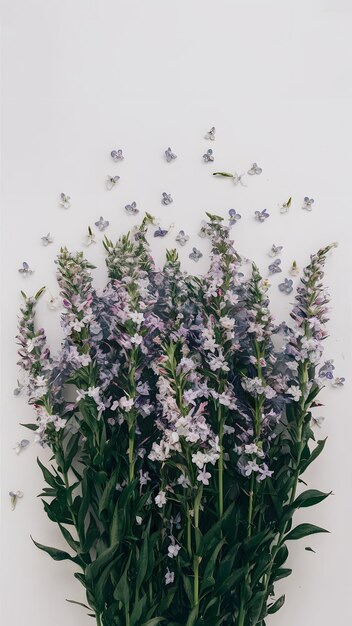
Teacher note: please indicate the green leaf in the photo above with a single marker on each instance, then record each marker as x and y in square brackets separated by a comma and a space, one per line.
[94, 570]
[273, 608]
[314, 455]
[310, 498]
[154, 621]
[255, 606]
[122, 590]
[57, 555]
[303, 530]
[282, 572]
[143, 559]
[79, 604]
[30, 426]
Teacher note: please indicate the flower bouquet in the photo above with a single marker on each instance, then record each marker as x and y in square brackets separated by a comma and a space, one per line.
[179, 419]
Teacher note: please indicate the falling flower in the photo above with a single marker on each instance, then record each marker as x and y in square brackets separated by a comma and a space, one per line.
[90, 238]
[308, 203]
[160, 232]
[166, 198]
[210, 134]
[47, 239]
[25, 270]
[261, 216]
[286, 286]
[285, 207]
[169, 155]
[117, 155]
[274, 267]
[102, 224]
[294, 271]
[255, 169]
[20, 445]
[131, 209]
[208, 156]
[318, 421]
[195, 255]
[275, 250]
[65, 200]
[236, 178]
[15, 495]
[338, 382]
[53, 302]
[111, 181]
[234, 217]
[182, 238]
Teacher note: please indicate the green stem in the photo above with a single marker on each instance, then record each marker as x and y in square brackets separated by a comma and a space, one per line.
[221, 467]
[196, 556]
[97, 617]
[130, 452]
[189, 538]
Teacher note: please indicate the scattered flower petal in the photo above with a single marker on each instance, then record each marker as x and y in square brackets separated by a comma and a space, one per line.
[47, 239]
[210, 134]
[274, 268]
[90, 238]
[254, 170]
[285, 207]
[131, 209]
[286, 286]
[195, 255]
[117, 155]
[182, 238]
[275, 250]
[101, 223]
[234, 217]
[308, 203]
[261, 216]
[25, 270]
[166, 198]
[65, 200]
[20, 445]
[208, 156]
[15, 495]
[169, 155]
[111, 181]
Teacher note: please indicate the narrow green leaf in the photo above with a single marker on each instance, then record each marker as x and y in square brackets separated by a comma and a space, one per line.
[303, 530]
[57, 555]
[310, 498]
[273, 608]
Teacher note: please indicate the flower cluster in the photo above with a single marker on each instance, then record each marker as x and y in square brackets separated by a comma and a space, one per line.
[183, 412]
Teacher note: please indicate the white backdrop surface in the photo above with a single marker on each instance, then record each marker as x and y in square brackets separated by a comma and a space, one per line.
[82, 78]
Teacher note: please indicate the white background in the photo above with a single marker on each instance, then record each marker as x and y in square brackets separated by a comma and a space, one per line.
[80, 78]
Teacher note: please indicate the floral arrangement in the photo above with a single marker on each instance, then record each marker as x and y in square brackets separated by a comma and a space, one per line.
[179, 418]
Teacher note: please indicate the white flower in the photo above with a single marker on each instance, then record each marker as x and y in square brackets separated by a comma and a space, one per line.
[251, 466]
[94, 392]
[169, 577]
[139, 520]
[59, 423]
[126, 403]
[203, 477]
[199, 459]
[136, 339]
[173, 550]
[295, 392]
[81, 394]
[227, 322]
[183, 481]
[160, 499]
[137, 318]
